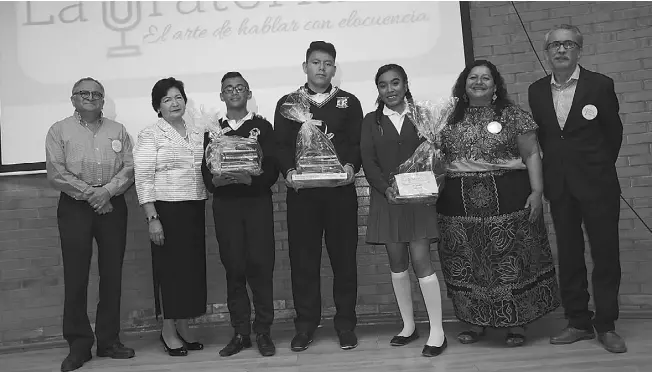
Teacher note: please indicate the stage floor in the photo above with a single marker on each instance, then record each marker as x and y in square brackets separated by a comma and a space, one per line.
[373, 353]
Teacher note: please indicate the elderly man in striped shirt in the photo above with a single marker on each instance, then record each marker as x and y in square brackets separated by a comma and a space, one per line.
[89, 159]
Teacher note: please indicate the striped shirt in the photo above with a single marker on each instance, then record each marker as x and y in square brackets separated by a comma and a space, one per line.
[168, 167]
[563, 96]
[77, 159]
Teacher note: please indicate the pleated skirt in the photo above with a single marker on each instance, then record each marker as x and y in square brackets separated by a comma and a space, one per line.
[400, 223]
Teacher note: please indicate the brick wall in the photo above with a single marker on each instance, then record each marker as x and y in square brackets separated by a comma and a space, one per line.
[617, 43]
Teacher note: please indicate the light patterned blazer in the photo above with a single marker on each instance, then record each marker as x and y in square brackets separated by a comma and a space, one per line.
[167, 167]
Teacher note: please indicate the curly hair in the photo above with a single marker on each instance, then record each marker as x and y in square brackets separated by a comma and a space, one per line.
[458, 91]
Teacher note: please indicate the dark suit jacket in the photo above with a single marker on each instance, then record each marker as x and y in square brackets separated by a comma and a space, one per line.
[383, 153]
[579, 159]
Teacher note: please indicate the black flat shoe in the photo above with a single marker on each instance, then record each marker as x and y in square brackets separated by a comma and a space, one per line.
[402, 341]
[433, 351]
[180, 351]
[236, 345]
[190, 345]
[470, 336]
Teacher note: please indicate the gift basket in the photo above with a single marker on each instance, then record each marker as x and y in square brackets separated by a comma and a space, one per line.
[317, 163]
[420, 178]
[230, 153]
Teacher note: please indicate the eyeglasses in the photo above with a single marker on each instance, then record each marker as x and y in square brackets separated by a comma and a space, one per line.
[238, 89]
[567, 44]
[87, 94]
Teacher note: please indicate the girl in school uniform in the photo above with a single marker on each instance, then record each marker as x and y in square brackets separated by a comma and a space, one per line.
[388, 139]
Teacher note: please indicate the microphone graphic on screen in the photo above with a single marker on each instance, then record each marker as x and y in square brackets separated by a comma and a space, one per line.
[122, 24]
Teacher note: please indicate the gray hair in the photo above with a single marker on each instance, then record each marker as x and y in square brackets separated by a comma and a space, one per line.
[574, 29]
[87, 79]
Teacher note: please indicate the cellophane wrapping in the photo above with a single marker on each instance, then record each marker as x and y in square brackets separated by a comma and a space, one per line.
[232, 154]
[429, 118]
[316, 159]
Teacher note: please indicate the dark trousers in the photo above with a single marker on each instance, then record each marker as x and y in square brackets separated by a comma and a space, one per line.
[244, 228]
[601, 219]
[312, 213]
[78, 225]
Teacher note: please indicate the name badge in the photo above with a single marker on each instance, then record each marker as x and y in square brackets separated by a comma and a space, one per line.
[116, 145]
[590, 112]
[494, 127]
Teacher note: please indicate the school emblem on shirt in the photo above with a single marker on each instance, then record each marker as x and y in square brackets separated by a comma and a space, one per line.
[254, 133]
[341, 102]
[116, 145]
[589, 112]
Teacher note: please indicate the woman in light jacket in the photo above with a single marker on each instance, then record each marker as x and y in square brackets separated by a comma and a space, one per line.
[170, 188]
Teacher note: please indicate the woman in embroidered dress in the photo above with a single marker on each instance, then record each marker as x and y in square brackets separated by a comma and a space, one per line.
[495, 253]
[388, 139]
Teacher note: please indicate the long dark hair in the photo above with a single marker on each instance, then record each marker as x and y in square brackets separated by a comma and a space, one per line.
[379, 102]
[458, 90]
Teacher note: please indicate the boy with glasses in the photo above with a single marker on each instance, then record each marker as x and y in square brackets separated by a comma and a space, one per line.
[244, 227]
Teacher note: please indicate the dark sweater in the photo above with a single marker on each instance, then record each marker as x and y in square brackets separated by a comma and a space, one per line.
[384, 150]
[342, 114]
[260, 184]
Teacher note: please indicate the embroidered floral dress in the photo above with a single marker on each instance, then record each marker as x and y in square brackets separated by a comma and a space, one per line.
[497, 265]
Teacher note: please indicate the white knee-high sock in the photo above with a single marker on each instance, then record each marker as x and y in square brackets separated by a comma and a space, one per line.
[431, 293]
[403, 293]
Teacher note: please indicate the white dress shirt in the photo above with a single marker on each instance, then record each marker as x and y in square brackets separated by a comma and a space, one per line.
[235, 124]
[167, 166]
[395, 117]
[563, 96]
[321, 97]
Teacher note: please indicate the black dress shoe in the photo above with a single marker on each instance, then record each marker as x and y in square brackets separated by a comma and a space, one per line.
[180, 351]
[116, 351]
[433, 351]
[348, 340]
[570, 335]
[402, 341]
[74, 361]
[612, 342]
[265, 345]
[237, 343]
[301, 341]
[190, 345]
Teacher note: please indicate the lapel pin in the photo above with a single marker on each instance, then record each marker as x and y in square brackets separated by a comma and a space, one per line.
[590, 112]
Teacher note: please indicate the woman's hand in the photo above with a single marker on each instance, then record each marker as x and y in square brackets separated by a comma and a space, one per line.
[534, 202]
[156, 232]
[390, 195]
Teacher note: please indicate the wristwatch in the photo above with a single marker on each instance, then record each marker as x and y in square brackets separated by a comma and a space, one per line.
[151, 218]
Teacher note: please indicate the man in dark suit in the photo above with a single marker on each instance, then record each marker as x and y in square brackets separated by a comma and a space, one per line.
[580, 133]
